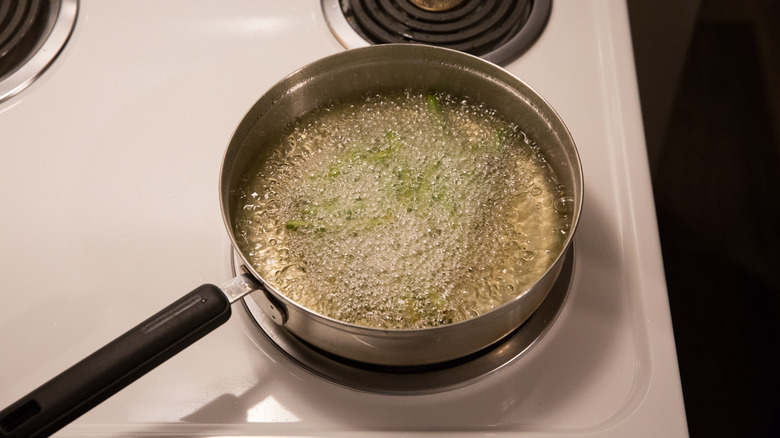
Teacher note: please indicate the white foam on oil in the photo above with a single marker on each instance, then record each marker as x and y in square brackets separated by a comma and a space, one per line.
[402, 211]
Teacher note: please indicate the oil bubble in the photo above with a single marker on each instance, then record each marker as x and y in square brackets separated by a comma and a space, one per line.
[391, 212]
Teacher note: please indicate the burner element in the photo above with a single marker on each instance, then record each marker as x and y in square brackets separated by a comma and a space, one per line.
[497, 30]
[21, 26]
[436, 5]
[32, 33]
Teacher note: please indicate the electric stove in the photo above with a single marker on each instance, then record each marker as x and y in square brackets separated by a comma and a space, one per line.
[110, 162]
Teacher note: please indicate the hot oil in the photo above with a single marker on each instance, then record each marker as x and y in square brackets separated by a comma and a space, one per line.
[402, 211]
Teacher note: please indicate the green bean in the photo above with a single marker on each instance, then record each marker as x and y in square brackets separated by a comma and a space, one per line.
[295, 225]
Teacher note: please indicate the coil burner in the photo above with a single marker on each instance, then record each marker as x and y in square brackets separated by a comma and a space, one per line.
[32, 33]
[496, 30]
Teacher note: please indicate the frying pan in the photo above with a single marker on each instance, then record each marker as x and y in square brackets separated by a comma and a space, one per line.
[369, 70]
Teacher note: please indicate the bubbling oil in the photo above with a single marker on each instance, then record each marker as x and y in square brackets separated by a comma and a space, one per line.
[402, 211]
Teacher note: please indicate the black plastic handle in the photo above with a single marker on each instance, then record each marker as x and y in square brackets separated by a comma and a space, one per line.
[99, 376]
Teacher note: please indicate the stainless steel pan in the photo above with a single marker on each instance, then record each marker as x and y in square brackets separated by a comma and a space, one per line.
[387, 68]
[360, 71]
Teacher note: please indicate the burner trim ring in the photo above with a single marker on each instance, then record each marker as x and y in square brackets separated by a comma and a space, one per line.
[517, 45]
[55, 36]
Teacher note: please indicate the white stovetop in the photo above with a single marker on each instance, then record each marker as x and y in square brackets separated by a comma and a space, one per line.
[109, 171]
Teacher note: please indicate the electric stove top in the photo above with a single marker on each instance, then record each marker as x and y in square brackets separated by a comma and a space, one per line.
[109, 166]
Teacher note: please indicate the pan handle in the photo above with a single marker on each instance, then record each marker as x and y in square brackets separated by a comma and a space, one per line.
[83, 386]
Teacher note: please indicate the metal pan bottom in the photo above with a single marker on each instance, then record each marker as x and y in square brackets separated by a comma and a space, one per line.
[420, 379]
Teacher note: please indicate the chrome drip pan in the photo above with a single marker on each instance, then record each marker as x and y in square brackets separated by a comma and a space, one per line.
[409, 380]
